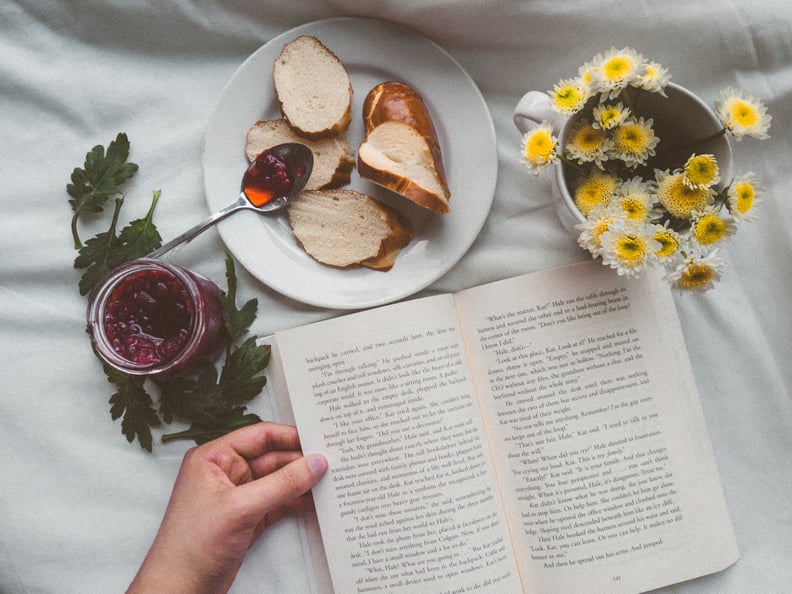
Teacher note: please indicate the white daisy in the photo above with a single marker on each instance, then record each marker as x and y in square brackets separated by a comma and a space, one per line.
[538, 148]
[615, 70]
[569, 96]
[597, 222]
[671, 243]
[636, 198]
[610, 116]
[697, 273]
[743, 115]
[628, 247]
[634, 142]
[654, 78]
[595, 190]
[701, 171]
[708, 226]
[588, 144]
[677, 198]
[743, 196]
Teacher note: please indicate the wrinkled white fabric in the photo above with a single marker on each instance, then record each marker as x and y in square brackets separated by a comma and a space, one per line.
[79, 505]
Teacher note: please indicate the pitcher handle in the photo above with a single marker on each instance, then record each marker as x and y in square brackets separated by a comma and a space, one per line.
[534, 108]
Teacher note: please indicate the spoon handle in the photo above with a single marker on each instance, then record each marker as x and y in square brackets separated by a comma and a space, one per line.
[199, 228]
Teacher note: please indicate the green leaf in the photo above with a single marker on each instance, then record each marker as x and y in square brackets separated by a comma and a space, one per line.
[240, 380]
[99, 179]
[99, 254]
[191, 397]
[205, 397]
[210, 401]
[140, 237]
[201, 433]
[237, 320]
[133, 403]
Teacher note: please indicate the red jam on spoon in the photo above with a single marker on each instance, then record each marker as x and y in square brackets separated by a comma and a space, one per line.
[150, 316]
[266, 179]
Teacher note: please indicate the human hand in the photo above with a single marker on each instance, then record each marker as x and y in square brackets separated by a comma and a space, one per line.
[227, 491]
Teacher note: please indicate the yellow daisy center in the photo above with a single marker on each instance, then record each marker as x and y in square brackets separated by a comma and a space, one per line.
[596, 190]
[709, 229]
[631, 139]
[609, 115]
[695, 276]
[668, 245]
[588, 139]
[540, 147]
[600, 227]
[680, 200]
[745, 196]
[634, 207]
[701, 170]
[616, 68]
[744, 114]
[651, 73]
[568, 97]
[630, 249]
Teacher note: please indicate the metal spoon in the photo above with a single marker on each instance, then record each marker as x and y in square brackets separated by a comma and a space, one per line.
[299, 164]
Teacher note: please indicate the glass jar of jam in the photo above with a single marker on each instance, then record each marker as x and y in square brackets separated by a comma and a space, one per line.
[150, 316]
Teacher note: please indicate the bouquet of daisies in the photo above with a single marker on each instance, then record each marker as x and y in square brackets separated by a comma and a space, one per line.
[635, 213]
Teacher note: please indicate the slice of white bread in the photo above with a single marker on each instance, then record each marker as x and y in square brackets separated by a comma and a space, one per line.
[401, 151]
[345, 228]
[313, 88]
[333, 156]
[395, 155]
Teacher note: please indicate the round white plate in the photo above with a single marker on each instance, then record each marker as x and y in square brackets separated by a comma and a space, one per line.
[372, 51]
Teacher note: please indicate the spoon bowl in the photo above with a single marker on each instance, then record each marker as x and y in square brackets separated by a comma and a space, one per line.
[274, 178]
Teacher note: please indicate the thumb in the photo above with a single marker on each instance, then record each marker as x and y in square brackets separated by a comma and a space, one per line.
[285, 484]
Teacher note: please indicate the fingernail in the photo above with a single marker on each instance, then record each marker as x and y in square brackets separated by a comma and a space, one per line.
[318, 464]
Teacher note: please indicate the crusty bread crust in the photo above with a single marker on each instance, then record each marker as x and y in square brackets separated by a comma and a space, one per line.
[333, 156]
[400, 236]
[313, 88]
[398, 101]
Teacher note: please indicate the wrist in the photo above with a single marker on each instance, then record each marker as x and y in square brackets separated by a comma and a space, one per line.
[174, 572]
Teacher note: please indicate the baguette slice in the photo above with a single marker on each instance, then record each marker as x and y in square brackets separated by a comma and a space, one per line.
[346, 228]
[400, 150]
[333, 156]
[313, 88]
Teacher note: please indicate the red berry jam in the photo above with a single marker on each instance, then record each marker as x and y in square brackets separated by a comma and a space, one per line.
[150, 316]
[267, 178]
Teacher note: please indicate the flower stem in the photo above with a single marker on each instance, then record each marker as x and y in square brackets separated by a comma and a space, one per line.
[713, 136]
[567, 161]
[631, 100]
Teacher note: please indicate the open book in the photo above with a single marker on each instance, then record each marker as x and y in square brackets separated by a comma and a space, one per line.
[537, 434]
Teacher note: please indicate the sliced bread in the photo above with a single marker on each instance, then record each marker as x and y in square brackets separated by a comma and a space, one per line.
[313, 88]
[400, 150]
[346, 228]
[333, 156]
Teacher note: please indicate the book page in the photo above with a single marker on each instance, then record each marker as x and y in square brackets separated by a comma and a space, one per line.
[410, 503]
[318, 573]
[596, 426]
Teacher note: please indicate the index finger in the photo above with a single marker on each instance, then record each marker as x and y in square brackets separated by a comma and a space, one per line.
[254, 440]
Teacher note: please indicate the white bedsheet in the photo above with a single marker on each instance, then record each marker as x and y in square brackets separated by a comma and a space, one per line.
[79, 506]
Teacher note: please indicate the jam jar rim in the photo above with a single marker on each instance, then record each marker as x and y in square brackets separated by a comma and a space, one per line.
[98, 302]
